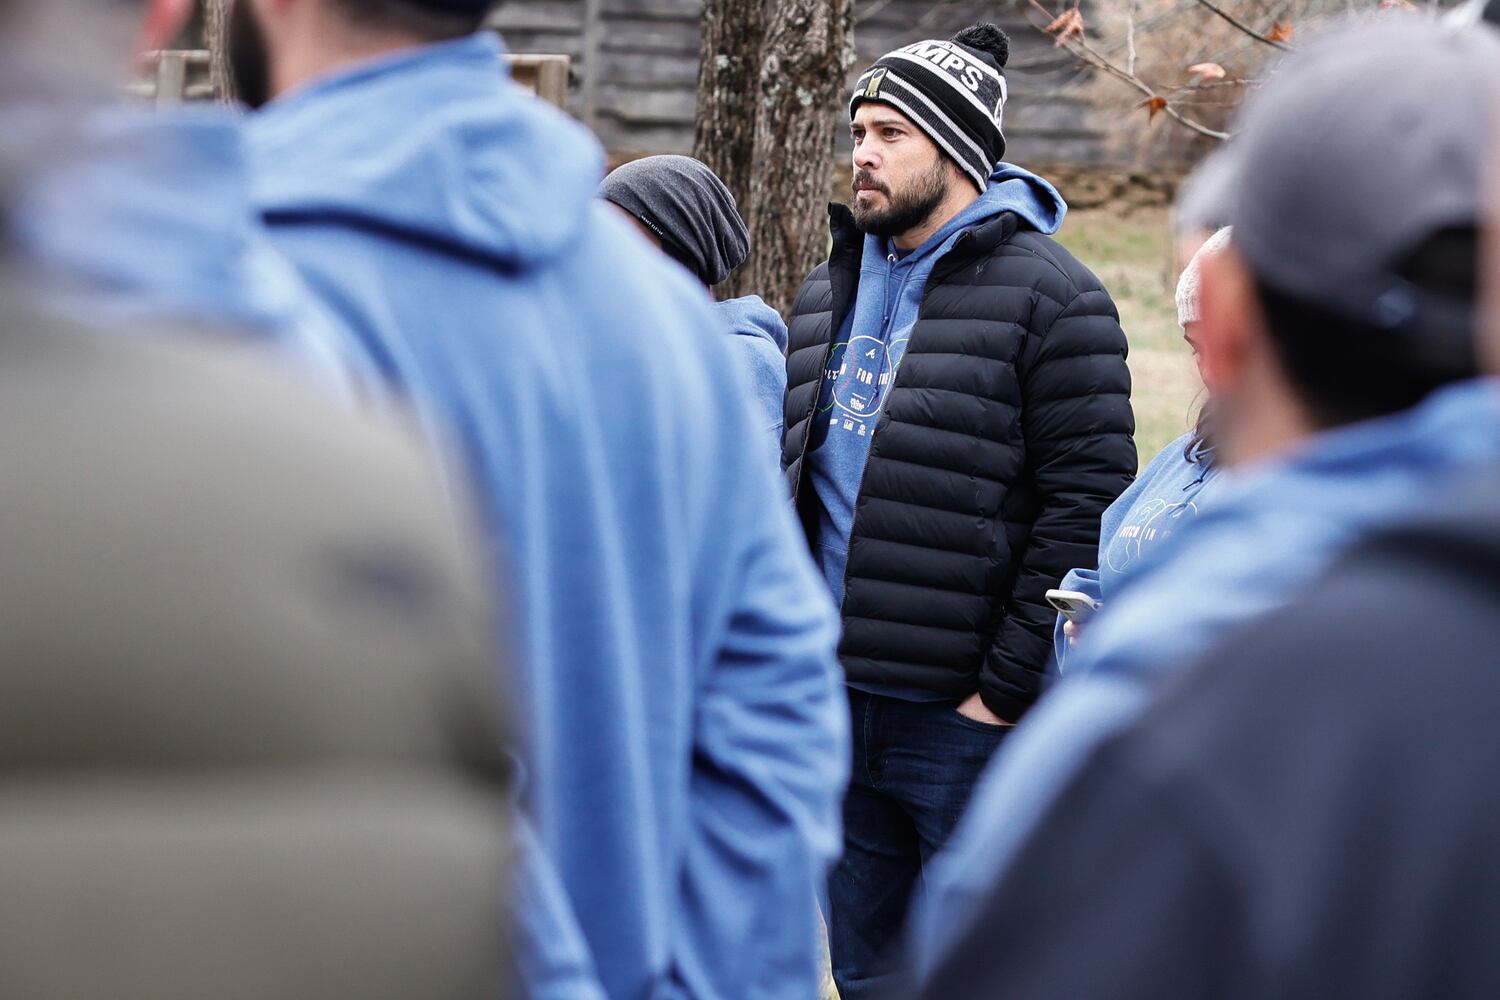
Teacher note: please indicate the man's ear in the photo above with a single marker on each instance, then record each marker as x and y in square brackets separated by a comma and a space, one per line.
[1230, 319]
[161, 23]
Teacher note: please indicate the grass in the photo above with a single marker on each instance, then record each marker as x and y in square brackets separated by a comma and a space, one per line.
[1132, 254]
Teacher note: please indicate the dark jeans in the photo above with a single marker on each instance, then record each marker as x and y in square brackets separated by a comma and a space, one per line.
[915, 766]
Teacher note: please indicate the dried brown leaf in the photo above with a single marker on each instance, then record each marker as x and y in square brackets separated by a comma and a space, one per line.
[1281, 31]
[1154, 105]
[1069, 24]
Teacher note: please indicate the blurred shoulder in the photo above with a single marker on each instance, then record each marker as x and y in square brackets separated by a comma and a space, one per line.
[206, 412]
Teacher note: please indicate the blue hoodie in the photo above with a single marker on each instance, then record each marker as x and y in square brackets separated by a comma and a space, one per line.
[687, 740]
[130, 218]
[1164, 498]
[868, 350]
[760, 337]
[1267, 533]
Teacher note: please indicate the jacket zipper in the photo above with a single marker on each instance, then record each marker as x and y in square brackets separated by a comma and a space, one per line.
[963, 238]
[864, 472]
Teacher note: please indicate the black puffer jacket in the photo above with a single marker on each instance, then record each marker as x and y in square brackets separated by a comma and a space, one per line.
[1005, 435]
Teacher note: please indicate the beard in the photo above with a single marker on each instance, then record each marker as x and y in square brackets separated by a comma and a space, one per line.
[249, 56]
[904, 211]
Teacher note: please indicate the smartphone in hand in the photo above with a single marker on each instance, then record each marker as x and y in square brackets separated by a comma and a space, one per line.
[1075, 606]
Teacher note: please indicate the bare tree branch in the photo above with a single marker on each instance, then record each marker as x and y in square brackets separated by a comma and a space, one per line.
[1193, 87]
[1244, 27]
[1098, 60]
[1142, 27]
[1130, 39]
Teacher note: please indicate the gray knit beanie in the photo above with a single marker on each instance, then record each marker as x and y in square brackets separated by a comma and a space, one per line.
[689, 209]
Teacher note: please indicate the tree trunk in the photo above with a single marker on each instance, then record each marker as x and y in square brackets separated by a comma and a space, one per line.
[215, 17]
[729, 56]
[808, 51]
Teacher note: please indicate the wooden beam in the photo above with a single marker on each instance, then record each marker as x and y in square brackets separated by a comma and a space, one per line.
[171, 77]
[546, 75]
[593, 36]
[178, 75]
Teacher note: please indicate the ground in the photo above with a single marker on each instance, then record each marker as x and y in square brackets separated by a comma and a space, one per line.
[1132, 254]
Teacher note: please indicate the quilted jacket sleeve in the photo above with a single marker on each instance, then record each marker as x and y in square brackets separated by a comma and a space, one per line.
[1078, 429]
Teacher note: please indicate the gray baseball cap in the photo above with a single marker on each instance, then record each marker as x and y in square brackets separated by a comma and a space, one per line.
[1366, 142]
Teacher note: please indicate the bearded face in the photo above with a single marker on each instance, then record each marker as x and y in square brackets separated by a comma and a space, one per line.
[900, 176]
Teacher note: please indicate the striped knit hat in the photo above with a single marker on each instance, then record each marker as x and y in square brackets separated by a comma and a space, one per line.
[954, 91]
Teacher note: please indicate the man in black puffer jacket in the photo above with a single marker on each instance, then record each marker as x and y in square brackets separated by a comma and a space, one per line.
[957, 420]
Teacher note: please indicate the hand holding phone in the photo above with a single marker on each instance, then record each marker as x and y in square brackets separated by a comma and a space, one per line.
[1075, 606]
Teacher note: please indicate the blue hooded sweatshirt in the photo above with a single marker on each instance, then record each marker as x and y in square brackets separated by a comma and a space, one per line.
[760, 338]
[687, 742]
[1164, 498]
[131, 218]
[868, 350]
[1267, 533]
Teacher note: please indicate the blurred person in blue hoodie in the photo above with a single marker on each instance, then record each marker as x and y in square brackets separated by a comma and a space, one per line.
[136, 218]
[957, 420]
[683, 207]
[1167, 493]
[1339, 349]
[686, 746]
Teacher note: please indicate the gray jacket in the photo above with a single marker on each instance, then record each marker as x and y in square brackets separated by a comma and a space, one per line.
[247, 741]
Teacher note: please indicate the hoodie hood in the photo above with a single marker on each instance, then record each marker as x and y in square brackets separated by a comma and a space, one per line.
[94, 211]
[751, 317]
[1033, 198]
[127, 218]
[760, 343]
[461, 157]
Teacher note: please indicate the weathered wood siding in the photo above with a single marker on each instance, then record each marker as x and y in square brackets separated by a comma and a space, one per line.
[175, 75]
[638, 90]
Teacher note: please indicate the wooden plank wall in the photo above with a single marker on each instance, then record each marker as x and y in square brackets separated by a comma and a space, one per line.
[639, 95]
[172, 76]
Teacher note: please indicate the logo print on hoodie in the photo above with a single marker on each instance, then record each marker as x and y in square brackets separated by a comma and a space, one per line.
[861, 380]
[1148, 525]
